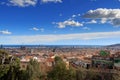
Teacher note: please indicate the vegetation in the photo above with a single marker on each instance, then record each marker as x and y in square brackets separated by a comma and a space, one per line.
[104, 53]
[60, 71]
[10, 70]
[33, 70]
[9, 66]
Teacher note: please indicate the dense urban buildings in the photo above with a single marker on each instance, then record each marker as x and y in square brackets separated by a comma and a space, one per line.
[105, 60]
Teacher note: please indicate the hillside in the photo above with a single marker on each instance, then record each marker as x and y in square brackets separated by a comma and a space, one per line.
[114, 46]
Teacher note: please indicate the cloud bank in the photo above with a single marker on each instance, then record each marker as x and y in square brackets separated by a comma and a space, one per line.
[6, 32]
[112, 15]
[52, 38]
[66, 23]
[26, 3]
[22, 3]
[54, 1]
[103, 13]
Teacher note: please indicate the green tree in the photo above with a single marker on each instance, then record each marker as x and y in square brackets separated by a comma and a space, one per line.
[71, 74]
[80, 74]
[9, 66]
[58, 59]
[22, 75]
[3, 56]
[87, 74]
[60, 72]
[92, 75]
[104, 53]
[33, 71]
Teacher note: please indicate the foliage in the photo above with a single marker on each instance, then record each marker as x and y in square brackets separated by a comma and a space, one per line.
[60, 72]
[58, 59]
[33, 70]
[10, 70]
[104, 53]
[9, 66]
[92, 74]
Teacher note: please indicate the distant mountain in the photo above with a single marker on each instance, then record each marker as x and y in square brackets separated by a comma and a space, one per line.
[114, 46]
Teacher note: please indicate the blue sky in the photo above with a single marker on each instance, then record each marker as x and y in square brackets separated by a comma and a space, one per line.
[60, 22]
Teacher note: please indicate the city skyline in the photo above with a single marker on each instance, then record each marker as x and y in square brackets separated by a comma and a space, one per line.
[60, 22]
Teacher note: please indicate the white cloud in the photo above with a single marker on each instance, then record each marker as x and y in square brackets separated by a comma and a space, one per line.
[54, 1]
[25, 3]
[92, 22]
[103, 13]
[73, 16]
[103, 20]
[86, 28]
[69, 23]
[5, 32]
[116, 22]
[22, 3]
[112, 15]
[29, 39]
[35, 29]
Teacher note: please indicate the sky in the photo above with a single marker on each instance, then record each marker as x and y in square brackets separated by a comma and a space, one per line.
[59, 22]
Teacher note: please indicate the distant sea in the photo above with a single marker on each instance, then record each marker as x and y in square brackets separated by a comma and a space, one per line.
[51, 46]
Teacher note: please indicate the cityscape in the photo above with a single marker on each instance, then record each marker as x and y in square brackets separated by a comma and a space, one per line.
[59, 39]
